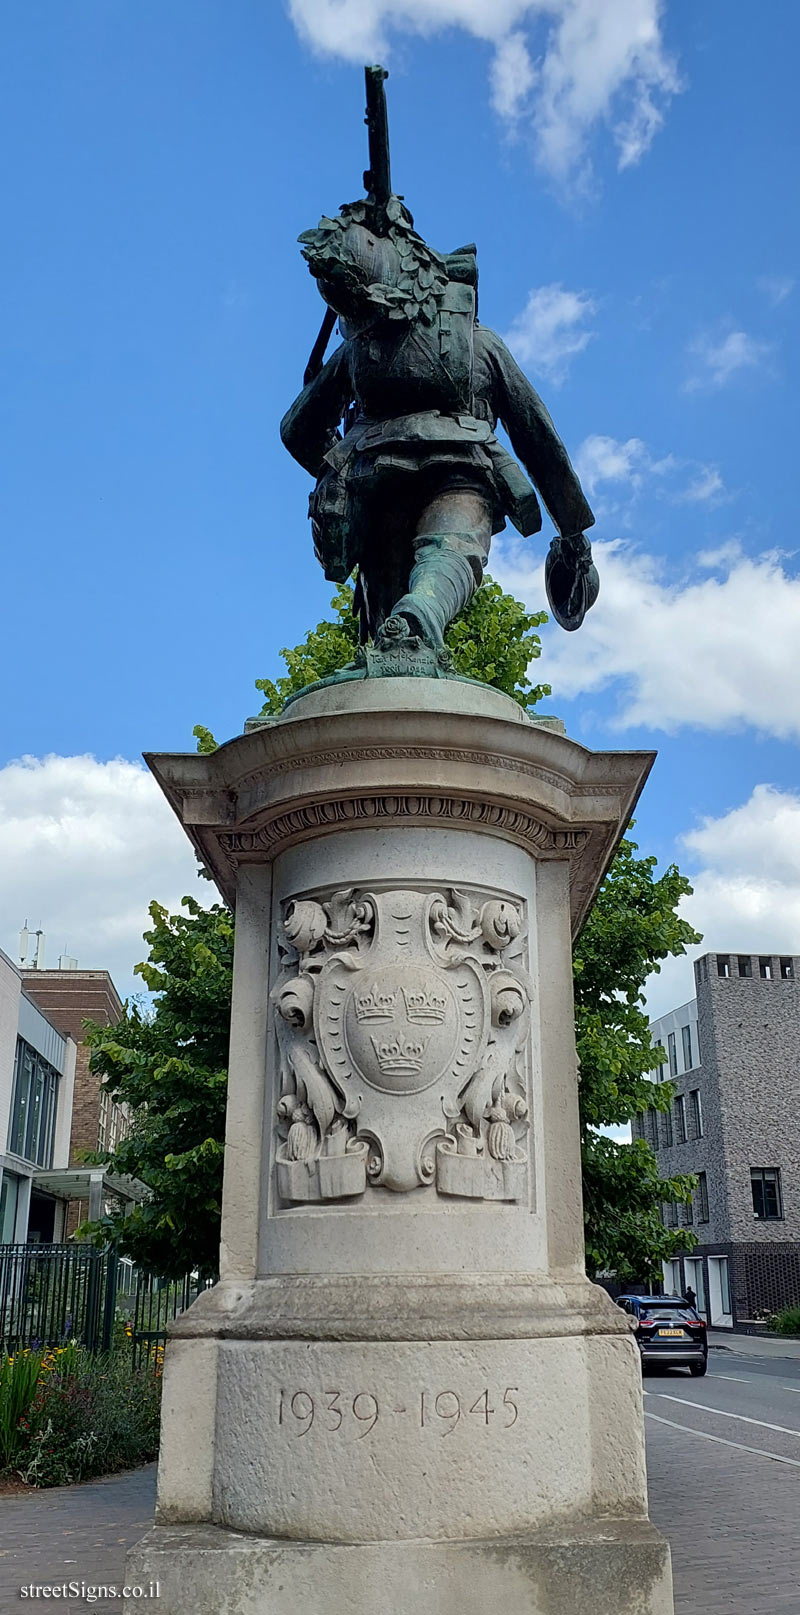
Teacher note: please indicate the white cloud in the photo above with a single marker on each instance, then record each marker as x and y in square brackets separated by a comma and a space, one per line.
[706, 488]
[84, 847]
[776, 288]
[745, 870]
[512, 75]
[712, 651]
[550, 331]
[569, 64]
[716, 361]
[602, 461]
[605, 459]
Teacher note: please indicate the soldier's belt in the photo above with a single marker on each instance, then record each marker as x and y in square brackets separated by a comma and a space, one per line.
[426, 427]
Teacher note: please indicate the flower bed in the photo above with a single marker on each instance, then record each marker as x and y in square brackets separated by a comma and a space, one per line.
[66, 1414]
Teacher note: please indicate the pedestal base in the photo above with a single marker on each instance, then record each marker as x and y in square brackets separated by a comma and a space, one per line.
[610, 1565]
[403, 1397]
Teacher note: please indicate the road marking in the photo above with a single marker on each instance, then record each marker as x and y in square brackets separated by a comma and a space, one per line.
[737, 1379]
[740, 1447]
[721, 1413]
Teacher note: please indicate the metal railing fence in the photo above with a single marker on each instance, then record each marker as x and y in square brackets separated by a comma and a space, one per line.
[51, 1294]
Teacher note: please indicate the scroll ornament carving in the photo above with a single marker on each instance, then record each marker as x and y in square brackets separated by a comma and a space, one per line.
[402, 1017]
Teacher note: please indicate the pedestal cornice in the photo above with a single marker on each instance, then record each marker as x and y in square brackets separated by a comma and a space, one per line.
[473, 760]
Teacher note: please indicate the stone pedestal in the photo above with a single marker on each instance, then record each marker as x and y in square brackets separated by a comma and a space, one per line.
[403, 1392]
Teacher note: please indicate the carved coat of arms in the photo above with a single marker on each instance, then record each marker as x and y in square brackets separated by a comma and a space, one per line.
[401, 1018]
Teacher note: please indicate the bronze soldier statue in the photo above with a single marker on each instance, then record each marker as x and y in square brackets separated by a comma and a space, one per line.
[398, 427]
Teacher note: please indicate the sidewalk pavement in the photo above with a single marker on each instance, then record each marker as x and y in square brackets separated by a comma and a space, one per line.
[753, 1345]
[73, 1534]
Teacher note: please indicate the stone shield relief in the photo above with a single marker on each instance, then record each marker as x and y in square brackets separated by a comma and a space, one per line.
[402, 1019]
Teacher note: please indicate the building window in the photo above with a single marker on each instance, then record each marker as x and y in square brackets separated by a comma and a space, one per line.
[102, 1121]
[696, 1112]
[666, 1129]
[686, 1038]
[745, 964]
[724, 1285]
[33, 1107]
[702, 1197]
[679, 1107]
[687, 1214]
[787, 969]
[673, 1054]
[765, 969]
[723, 964]
[652, 1128]
[672, 1214]
[765, 1182]
[9, 1197]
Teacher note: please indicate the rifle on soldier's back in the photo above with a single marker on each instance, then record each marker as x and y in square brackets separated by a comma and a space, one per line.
[378, 186]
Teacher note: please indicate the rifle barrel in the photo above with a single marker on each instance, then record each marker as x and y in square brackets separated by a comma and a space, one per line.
[378, 177]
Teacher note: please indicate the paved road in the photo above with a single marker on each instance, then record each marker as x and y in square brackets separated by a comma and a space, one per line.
[723, 1459]
[724, 1469]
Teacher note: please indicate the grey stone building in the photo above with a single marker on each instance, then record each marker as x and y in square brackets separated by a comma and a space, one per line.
[733, 1055]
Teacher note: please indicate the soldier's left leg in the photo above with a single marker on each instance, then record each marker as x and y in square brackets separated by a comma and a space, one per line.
[451, 546]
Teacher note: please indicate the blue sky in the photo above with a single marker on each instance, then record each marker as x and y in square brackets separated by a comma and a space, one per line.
[628, 172]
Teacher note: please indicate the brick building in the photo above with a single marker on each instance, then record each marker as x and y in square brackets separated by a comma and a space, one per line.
[733, 1056]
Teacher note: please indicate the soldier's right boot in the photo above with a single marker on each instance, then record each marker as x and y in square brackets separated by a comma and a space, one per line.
[443, 579]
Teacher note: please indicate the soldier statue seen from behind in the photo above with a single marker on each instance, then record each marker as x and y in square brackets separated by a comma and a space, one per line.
[398, 426]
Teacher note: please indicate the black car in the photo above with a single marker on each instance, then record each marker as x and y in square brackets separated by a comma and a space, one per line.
[668, 1331]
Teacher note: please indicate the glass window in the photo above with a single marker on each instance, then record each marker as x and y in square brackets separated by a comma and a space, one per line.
[102, 1123]
[686, 1038]
[787, 969]
[673, 1054]
[666, 1129]
[9, 1196]
[765, 1182]
[672, 1309]
[687, 1214]
[33, 1107]
[765, 968]
[745, 964]
[702, 1197]
[679, 1108]
[723, 964]
[696, 1112]
[724, 1284]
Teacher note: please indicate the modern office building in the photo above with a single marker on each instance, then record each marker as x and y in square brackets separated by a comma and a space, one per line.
[52, 1107]
[733, 1056]
[37, 1077]
[68, 998]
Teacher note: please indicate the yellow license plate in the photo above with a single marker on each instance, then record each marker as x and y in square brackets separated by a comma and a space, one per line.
[670, 1331]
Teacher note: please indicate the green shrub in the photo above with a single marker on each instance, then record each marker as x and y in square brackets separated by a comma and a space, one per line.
[788, 1321]
[66, 1415]
[19, 1375]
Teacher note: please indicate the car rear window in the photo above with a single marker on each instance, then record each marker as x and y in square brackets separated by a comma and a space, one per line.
[665, 1309]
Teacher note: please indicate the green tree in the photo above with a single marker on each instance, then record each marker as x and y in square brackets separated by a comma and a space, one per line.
[169, 1062]
[494, 639]
[633, 926]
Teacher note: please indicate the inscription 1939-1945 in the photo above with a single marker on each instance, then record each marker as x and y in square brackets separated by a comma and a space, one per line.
[339, 1412]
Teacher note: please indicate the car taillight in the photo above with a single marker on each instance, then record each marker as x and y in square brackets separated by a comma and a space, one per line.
[647, 1323]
